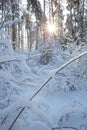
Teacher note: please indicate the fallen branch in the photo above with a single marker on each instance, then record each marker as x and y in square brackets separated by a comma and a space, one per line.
[8, 58]
[45, 83]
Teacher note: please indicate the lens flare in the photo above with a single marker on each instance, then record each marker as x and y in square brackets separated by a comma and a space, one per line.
[51, 28]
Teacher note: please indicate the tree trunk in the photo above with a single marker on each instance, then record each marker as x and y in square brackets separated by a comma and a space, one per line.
[44, 25]
[30, 39]
[13, 26]
[37, 38]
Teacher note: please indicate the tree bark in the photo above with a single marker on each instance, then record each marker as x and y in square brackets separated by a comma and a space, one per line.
[13, 26]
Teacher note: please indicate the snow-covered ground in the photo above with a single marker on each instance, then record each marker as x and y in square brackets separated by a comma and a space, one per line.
[61, 104]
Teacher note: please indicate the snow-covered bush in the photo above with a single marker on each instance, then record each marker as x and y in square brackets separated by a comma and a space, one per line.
[13, 68]
[82, 67]
[46, 56]
[5, 43]
[73, 121]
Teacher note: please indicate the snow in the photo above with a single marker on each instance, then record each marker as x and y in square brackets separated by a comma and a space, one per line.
[62, 102]
[10, 23]
[5, 40]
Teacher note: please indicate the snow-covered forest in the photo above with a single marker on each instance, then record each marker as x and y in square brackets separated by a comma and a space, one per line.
[43, 65]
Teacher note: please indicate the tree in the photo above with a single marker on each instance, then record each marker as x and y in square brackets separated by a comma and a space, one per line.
[75, 18]
[34, 7]
[10, 18]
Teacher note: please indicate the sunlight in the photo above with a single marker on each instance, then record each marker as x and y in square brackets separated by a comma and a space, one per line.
[51, 28]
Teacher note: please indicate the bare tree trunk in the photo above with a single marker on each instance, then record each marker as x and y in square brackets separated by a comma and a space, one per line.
[19, 36]
[49, 12]
[13, 26]
[3, 11]
[30, 39]
[37, 38]
[52, 12]
[71, 20]
[44, 25]
[83, 20]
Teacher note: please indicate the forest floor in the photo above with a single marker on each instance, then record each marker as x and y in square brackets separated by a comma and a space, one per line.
[61, 104]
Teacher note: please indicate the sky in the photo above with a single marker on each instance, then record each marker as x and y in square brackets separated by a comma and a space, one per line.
[41, 1]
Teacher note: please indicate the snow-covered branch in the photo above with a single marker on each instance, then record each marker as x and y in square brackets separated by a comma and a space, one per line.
[66, 127]
[68, 62]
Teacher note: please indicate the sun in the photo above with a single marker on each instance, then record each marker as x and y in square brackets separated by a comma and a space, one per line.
[51, 28]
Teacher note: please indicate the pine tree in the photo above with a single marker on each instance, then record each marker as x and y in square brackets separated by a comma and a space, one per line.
[75, 19]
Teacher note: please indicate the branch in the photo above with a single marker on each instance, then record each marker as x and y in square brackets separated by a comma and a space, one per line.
[3, 21]
[67, 38]
[8, 58]
[68, 62]
[58, 128]
[45, 83]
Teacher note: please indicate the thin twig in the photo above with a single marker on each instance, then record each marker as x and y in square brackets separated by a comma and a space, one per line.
[45, 83]
[4, 120]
